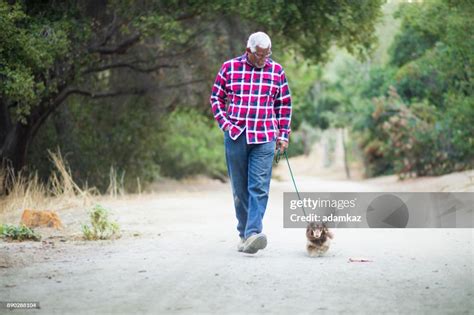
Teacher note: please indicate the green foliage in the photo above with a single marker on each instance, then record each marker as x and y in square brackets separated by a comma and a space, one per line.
[422, 79]
[458, 126]
[302, 140]
[37, 38]
[312, 27]
[385, 29]
[30, 47]
[412, 143]
[102, 228]
[446, 63]
[418, 32]
[320, 114]
[52, 50]
[381, 78]
[93, 141]
[191, 144]
[297, 146]
[301, 76]
[19, 233]
[414, 116]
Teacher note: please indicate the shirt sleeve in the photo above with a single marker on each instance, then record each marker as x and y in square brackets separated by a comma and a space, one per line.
[283, 108]
[219, 97]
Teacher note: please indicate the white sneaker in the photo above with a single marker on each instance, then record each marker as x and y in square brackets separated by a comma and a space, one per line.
[254, 243]
[240, 246]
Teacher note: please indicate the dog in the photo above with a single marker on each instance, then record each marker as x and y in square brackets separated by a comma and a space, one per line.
[319, 239]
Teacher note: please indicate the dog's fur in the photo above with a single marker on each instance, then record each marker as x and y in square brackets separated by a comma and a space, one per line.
[319, 239]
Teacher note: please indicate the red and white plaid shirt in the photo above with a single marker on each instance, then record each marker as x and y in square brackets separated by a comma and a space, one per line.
[259, 100]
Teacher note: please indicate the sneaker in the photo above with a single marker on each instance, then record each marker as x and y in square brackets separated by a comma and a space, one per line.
[240, 246]
[254, 243]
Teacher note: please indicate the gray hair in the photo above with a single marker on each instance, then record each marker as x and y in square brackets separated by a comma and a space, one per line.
[259, 39]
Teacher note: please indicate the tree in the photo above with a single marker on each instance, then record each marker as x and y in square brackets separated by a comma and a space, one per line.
[52, 50]
[415, 115]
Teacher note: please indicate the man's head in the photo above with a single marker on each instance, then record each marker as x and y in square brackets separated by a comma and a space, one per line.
[259, 48]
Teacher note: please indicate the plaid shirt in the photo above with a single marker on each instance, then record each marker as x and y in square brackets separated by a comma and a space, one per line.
[258, 100]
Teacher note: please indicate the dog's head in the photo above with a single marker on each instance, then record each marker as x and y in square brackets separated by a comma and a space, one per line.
[316, 231]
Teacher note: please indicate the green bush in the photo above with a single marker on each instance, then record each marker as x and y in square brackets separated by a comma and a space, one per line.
[424, 123]
[296, 145]
[19, 233]
[414, 139]
[381, 78]
[302, 140]
[458, 125]
[191, 144]
[102, 228]
[422, 79]
[92, 141]
[421, 25]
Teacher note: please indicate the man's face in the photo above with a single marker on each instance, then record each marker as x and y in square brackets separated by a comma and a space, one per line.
[259, 57]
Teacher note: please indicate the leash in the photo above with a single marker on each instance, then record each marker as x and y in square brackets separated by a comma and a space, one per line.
[277, 159]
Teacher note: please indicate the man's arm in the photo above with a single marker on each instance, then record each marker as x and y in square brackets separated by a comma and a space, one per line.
[283, 110]
[218, 99]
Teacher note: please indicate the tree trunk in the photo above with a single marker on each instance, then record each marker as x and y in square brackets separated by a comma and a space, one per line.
[15, 146]
[16, 137]
[344, 146]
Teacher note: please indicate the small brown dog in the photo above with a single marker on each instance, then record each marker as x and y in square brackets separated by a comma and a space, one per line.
[319, 239]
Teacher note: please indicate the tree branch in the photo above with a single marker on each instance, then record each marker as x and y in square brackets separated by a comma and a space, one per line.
[130, 66]
[65, 93]
[111, 29]
[96, 95]
[120, 48]
[186, 16]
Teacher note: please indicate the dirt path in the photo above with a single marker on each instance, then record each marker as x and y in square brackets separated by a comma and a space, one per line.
[177, 255]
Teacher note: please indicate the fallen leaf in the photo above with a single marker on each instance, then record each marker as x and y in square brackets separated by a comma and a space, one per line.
[359, 260]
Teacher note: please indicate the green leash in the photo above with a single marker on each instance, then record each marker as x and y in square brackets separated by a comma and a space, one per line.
[277, 159]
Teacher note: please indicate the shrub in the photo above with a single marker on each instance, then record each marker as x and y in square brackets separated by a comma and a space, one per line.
[191, 144]
[302, 140]
[102, 227]
[19, 233]
[93, 140]
[458, 125]
[413, 143]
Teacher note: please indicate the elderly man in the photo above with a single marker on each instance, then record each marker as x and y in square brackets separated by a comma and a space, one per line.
[255, 122]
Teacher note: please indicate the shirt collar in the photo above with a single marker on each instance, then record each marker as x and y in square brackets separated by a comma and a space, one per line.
[244, 59]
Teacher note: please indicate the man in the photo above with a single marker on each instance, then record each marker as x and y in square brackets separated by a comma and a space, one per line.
[256, 120]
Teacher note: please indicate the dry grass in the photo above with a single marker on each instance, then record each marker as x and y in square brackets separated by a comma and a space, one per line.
[116, 186]
[27, 191]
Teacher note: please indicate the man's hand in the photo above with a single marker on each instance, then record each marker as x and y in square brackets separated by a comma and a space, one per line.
[281, 145]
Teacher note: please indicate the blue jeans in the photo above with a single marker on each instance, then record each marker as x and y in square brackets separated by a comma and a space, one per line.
[250, 169]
